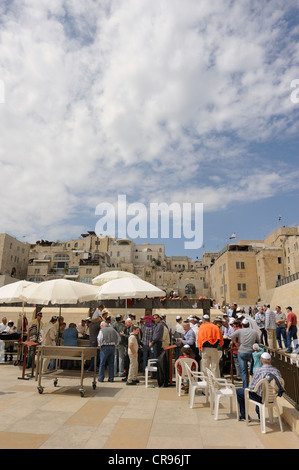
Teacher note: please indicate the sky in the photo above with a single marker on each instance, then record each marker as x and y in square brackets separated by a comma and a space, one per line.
[174, 102]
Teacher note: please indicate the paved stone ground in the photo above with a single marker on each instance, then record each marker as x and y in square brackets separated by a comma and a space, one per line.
[116, 416]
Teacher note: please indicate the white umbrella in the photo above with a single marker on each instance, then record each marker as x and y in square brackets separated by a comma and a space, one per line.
[59, 291]
[110, 276]
[128, 288]
[11, 293]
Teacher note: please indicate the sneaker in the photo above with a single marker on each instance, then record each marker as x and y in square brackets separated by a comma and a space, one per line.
[241, 418]
[124, 379]
[131, 383]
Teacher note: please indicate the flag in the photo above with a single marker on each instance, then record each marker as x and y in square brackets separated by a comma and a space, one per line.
[232, 236]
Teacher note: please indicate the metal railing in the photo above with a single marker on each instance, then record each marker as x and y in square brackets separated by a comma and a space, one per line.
[286, 280]
[290, 373]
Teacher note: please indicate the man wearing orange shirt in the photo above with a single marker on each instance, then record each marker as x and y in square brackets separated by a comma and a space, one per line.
[209, 340]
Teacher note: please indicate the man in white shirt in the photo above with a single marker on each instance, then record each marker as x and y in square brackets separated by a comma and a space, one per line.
[3, 325]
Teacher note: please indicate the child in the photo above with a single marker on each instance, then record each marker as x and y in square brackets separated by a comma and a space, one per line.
[256, 356]
[186, 353]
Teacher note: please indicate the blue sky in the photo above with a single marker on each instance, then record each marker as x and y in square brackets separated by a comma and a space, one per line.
[168, 102]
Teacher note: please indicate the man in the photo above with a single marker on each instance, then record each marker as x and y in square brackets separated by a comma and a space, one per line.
[49, 337]
[156, 343]
[280, 321]
[133, 348]
[70, 335]
[70, 338]
[124, 339]
[247, 337]
[258, 375]
[189, 338]
[34, 335]
[3, 325]
[209, 337]
[108, 338]
[260, 319]
[291, 330]
[98, 312]
[81, 329]
[94, 330]
[147, 330]
[270, 327]
[119, 326]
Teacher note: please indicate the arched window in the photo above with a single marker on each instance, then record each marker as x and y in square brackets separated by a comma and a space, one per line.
[189, 289]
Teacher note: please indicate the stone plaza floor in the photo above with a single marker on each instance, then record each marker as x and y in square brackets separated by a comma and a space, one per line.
[116, 416]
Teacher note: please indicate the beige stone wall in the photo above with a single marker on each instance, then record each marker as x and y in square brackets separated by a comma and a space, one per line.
[287, 295]
[13, 257]
[268, 270]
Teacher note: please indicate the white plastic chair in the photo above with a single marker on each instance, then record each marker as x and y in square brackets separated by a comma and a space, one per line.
[151, 367]
[197, 381]
[269, 401]
[221, 388]
[180, 378]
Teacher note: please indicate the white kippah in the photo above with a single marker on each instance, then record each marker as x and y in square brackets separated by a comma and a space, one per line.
[266, 355]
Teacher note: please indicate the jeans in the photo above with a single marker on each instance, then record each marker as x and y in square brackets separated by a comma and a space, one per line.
[107, 357]
[244, 358]
[237, 365]
[94, 344]
[292, 335]
[147, 354]
[119, 359]
[281, 332]
[241, 401]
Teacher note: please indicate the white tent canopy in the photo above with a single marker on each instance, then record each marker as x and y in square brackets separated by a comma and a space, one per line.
[11, 293]
[110, 276]
[60, 291]
[128, 288]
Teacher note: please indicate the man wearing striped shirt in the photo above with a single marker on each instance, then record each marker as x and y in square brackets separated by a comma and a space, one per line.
[258, 375]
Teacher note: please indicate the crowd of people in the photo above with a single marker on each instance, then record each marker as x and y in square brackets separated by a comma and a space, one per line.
[125, 345]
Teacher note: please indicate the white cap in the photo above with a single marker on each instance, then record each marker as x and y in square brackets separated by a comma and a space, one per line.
[265, 355]
[206, 317]
[178, 317]
[245, 322]
[231, 321]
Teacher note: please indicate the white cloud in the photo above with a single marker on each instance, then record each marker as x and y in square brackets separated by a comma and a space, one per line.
[139, 98]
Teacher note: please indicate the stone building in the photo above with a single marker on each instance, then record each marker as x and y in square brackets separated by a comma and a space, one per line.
[14, 256]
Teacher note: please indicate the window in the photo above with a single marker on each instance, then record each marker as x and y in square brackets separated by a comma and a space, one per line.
[62, 256]
[189, 289]
[279, 260]
[240, 264]
[242, 287]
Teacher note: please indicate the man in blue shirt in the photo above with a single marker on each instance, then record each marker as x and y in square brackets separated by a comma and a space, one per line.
[70, 338]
